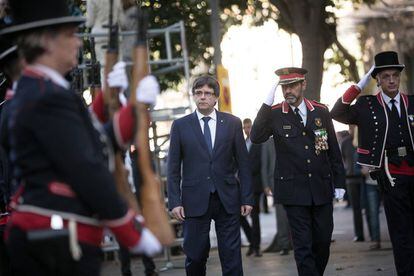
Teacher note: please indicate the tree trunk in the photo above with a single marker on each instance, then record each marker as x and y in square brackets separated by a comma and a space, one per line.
[313, 48]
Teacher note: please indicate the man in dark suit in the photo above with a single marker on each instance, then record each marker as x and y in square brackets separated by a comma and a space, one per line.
[207, 149]
[308, 165]
[253, 232]
[385, 131]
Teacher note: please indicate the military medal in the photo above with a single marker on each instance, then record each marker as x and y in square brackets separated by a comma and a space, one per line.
[321, 140]
[318, 122]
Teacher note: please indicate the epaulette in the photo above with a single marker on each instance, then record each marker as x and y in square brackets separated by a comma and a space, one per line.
[276, 106]
[318, 104]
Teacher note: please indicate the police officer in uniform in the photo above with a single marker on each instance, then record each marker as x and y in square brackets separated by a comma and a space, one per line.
[308, 166]
[60, 155]
[386, 126]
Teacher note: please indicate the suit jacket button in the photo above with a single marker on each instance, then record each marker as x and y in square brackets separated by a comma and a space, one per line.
[306, 147]
[310, 175]
[287, 135]
[208, 177]
[304, 133]
[308, 161]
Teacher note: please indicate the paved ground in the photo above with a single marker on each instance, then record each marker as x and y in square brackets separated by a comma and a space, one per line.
[347, 258]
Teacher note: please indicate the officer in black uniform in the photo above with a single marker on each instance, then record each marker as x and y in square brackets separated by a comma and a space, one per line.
[308, 166]
[61, 156]
[386, 126]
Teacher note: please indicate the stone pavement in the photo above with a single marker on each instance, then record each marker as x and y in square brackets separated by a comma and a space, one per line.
[347, 258]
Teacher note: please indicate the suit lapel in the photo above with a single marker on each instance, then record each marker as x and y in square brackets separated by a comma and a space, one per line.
[220, 131]
[195, 124]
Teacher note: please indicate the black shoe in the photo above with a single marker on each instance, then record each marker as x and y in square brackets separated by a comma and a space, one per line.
[249, 252]
[284, 252]
[257, 253]
[358, 239]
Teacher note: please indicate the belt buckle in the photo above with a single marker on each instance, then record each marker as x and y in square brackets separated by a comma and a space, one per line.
[402, 151]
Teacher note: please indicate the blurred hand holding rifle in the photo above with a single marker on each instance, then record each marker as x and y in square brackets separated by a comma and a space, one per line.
[151, 201]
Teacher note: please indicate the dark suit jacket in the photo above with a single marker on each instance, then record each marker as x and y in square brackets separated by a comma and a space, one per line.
[302, 177]
[191, 168]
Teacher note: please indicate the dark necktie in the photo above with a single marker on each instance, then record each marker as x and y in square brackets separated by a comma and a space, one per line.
[298, 116]
[394, 110]
[207, 134]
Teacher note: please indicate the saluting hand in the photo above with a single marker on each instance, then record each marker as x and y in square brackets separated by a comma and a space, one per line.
[365, 79]
[246, 210]
[271, 95]
[178, 213]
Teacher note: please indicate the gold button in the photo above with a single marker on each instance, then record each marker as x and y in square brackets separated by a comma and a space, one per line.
[304, 133]
[287, 135]
[308, 161]
[310, 175]
[306, 147]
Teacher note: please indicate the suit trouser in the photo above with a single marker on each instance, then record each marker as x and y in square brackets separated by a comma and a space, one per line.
[354, 190]
[399, 210]
[311, 228]
[197, 241]
[52, 259]
[283, 231]
[253, 232]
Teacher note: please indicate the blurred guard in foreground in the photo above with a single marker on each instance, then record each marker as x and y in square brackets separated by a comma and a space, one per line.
[62, 156]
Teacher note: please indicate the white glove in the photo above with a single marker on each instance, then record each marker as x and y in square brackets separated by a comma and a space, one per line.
[365, 79]
[271, 95]
[147, 245]
[118, 78]
[339, 194]
[148, 89]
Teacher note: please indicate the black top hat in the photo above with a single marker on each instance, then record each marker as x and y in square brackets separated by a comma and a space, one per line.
[28, 15]
[386, 60]
[290, 75]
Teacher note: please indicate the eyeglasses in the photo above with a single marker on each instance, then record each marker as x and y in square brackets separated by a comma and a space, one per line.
[206, 94]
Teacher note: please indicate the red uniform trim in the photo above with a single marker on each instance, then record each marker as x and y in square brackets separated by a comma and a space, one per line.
[98, 107]
[29, 221]
[380, 99]
[291, 76]
[404, 169]
[350, 94]
[61, 189]
[4, 220]
[318, 104]
[276, 106]
[285, 107]
[362, 151]
[33, 73]
[124, 125]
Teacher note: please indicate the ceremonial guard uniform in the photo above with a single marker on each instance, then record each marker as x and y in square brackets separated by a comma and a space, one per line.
[9, 70]
[62, 158]
[308, 166]
[386, 146]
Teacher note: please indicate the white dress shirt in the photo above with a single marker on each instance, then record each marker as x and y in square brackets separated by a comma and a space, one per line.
[52, 74]
[397, 99]
[303, 111]
[212, 123]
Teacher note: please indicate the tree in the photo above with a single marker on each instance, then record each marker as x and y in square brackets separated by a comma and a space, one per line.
[315, 24]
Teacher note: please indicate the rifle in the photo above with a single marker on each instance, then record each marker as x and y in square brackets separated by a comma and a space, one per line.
[95, 69]
[111, 100]
[151, 202]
